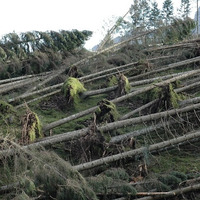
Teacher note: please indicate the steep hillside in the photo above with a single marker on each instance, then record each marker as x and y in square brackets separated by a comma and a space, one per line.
[120, 123]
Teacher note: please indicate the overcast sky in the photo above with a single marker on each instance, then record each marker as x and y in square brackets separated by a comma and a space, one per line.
[43, 15]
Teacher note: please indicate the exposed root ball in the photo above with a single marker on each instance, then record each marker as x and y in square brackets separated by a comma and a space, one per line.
[31, 127]
[71, 88]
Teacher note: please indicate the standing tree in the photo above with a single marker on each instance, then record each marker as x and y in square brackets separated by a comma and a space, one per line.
[154, 16]
[185, 8]
[140, 11]
[167, 11]
[135, 14]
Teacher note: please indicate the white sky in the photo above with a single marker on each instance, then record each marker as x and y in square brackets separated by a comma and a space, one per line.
[43, 15]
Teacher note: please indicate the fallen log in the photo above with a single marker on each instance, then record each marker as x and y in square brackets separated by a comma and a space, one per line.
[117, 100]
[168, 67]
[137, 110]
[15, 86]
[38, 98]
[190, 101]
[173, 193]
[23, 77]
[106, 71]
[136, 83]
[146, 118]
[24, 96]
[63, 68]
[139, 151]
[188, 43]
[136, 133]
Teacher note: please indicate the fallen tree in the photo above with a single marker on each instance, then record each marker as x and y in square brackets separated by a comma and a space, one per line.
[168, 67]
[139, 151]
[112, 126]
[119, 99]
[63, 68]
[146, 118]
[19, 85]
[173, 193]
[23, 77]
[26, 95]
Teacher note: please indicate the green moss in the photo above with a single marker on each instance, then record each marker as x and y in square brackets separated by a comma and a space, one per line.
[113, 80]
[6, 110]
[127, 85]
[31, 129]
[106, 112]
[167, 97]
[35, 128]
[120, 80]
[72, 88]
[174, 97]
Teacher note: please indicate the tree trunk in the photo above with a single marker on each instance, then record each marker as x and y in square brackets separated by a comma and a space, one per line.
[117, 100]
[153, 147]
[190, 101]
[126, 116]
[23, 96]
[170, 66]
[163, 83]
[146, 118]
[151, 80]
[38, 98]
[106, 71]
[136, 133]
[59, 72]
[172, 193]
[189, 43]
[188, 87]
[23, 77]
[14, 86]
[68, 119]
[136, 83]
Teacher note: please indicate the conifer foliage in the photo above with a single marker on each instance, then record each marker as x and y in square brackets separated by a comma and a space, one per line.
[35, 52]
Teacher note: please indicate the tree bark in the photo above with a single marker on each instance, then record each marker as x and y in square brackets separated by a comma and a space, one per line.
[190, 101]
[146, 118]
[136, 133]
[172, 193]
[23, 77]
[188, 87]
[153, 147]
[38, 98]
[59, 72]
[68, 119]
[126, 116]
[117, 100]
[24, 96]
[189, 43]
[136, 83]
[170, 66]
[106, 71]
[21, 84]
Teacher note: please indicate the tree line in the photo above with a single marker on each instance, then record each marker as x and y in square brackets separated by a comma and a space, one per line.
[146, 15]
[36, 51]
